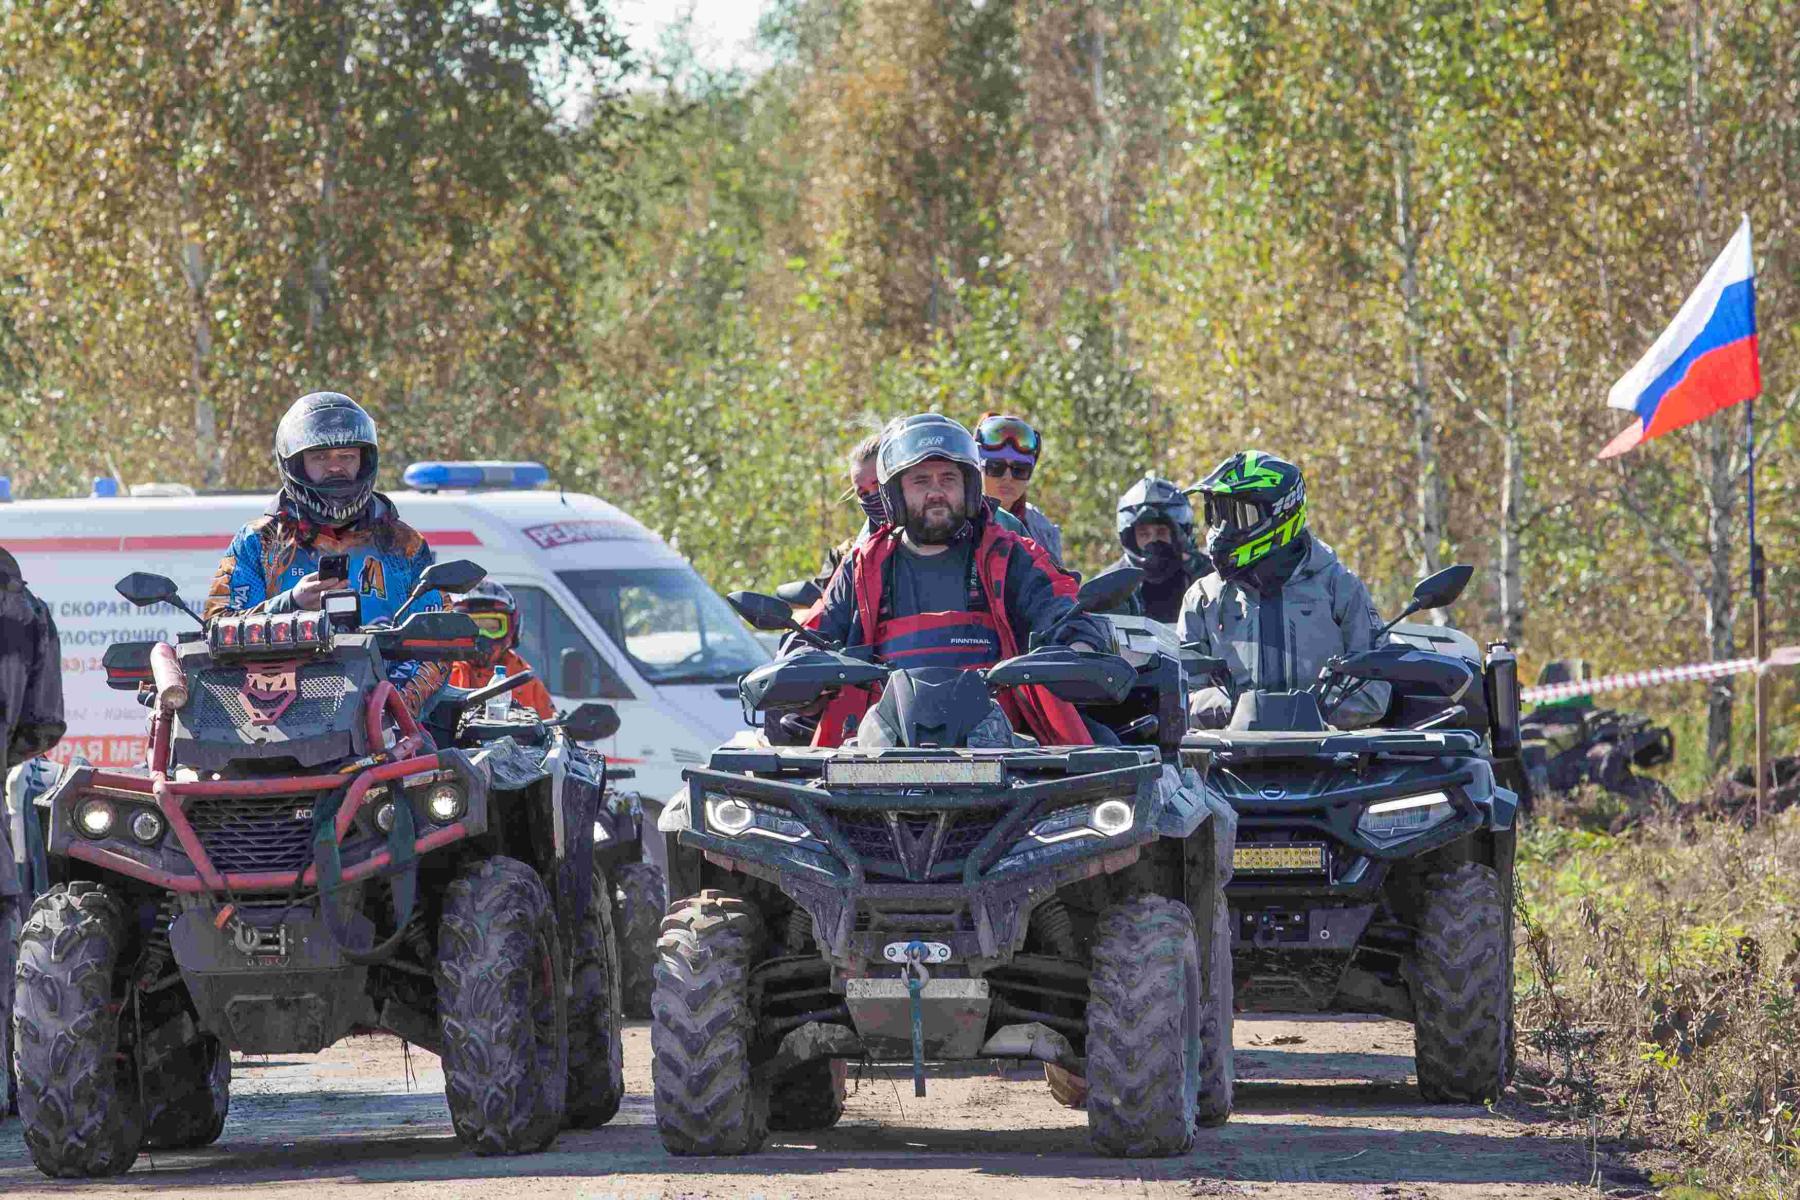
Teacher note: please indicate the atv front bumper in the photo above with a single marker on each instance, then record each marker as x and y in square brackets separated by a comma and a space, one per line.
[246, 836]
[952, 846]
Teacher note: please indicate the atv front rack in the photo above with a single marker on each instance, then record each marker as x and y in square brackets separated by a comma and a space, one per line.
[1241, 745]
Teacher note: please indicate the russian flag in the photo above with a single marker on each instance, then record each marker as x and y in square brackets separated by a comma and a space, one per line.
[1704, 361]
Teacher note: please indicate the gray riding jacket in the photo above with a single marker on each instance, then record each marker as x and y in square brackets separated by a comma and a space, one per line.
[1279, 643]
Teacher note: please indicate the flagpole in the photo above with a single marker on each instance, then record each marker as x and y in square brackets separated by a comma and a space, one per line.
[1759, 623]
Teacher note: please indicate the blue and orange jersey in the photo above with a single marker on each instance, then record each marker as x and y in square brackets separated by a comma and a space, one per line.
[386, 557]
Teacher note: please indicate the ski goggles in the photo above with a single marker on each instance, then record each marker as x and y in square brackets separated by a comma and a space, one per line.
[996, 432]
[492, 624]
[995, 468]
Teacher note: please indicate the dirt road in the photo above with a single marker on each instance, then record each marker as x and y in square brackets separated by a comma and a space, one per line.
[1325, 1110]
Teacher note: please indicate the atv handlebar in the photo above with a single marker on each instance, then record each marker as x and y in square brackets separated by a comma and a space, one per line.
[482, 695]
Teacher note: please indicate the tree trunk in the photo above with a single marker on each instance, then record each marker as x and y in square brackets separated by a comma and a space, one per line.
[1512, 502]
[1429, 492]
[319, 271]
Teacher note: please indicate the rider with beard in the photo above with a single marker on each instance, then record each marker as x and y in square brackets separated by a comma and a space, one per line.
[327, 455]
[943, 584]
[1156, 527]
[866, 490]
[496, 615]
[1279, 603]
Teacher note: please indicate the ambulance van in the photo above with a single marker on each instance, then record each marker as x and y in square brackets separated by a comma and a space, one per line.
[609, 611]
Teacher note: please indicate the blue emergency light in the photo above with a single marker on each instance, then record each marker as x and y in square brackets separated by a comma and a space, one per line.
[431, 476]
[106, 488]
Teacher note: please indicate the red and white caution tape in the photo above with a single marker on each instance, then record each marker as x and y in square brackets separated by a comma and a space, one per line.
[1786, 656]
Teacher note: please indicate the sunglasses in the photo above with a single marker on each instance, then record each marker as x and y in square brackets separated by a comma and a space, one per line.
[995, 432]
[492, 624]
[993, 468]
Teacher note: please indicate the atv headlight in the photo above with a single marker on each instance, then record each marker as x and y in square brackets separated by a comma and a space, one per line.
[146, 826]
[1105, 819]
[1111, 817]
[727, 815]
[444, 802]
[95, 818]
[384, 817]
[1409, 816]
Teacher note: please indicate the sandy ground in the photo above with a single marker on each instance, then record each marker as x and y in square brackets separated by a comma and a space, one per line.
[1326, 1108]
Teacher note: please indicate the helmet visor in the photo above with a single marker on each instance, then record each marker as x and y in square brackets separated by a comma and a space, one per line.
[1233, 512]
[997, 432]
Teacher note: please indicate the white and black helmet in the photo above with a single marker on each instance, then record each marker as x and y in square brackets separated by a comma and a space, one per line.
[1153, 499]
[318, 421]
[909, 441]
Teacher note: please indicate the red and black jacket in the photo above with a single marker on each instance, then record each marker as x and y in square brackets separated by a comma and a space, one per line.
[986, 632]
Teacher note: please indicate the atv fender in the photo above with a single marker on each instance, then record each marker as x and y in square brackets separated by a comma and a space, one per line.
[1183, 805]
[1498, 805]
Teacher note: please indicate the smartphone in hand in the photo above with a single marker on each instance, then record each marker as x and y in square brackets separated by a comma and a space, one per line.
[334, 566]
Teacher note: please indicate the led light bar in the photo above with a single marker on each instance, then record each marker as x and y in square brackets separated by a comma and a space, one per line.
[957, 772]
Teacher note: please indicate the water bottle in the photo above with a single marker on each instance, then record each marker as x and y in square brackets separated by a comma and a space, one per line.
[498, 706]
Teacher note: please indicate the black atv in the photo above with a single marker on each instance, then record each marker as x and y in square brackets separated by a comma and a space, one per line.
[1373, 870]
[1568, 743]
[942, 890]
[302, 860]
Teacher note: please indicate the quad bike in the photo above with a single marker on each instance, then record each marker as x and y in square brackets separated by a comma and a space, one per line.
[1568, 743]
[943, 890]
[301, 859]
[1373, 870]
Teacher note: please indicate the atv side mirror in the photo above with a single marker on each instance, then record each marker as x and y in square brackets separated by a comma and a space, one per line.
[1442, 589]
[458, 575]
[799, 593]
[1434, 591]
[592, 721]
[1108, 589]
[144, 589]
[767, 613]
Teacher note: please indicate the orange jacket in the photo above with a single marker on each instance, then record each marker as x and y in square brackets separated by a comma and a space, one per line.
[532, 695]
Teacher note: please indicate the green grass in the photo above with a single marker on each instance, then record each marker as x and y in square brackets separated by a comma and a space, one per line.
[1659, 987]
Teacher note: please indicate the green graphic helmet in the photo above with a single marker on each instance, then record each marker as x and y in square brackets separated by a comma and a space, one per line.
[1255, 504]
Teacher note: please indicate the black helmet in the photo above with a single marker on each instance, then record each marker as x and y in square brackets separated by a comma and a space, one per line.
[317, 421]
[909, 441]
[1153, 499]
[1255, 505]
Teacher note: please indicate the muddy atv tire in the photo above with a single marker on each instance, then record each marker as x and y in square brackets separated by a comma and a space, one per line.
[637, 914]
[708, 1102]
[78, 1099]
[810, 1098]
[1461, 978]
[9, 957]
[596, 1059]
[1144, 1027]
[1218, 1065]
[502, 1009]
[189, 1096]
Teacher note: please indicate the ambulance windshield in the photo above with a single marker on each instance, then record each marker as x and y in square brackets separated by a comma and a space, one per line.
[673, 627]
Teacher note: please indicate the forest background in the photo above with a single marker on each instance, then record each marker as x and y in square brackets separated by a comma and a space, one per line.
[1407, 243]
